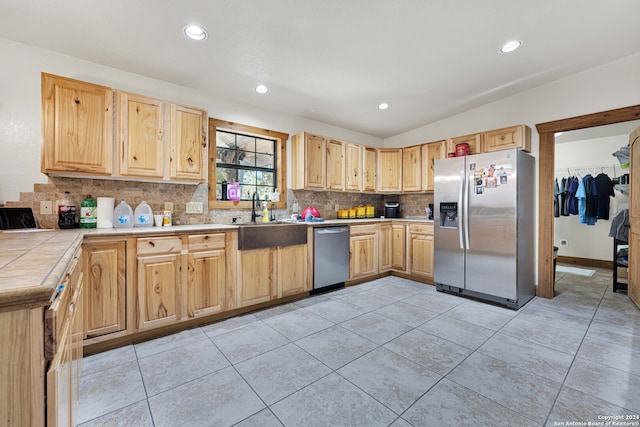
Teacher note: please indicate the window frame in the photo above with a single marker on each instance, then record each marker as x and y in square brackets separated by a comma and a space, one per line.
[281, 161]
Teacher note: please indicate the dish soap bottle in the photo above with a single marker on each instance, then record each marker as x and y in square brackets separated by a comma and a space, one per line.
[88, 212]
[265, 212]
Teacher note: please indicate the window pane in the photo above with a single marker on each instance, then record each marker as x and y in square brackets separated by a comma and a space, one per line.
[265, 178]
[246, 191]
[248, 159]
[265, 146]
[246, 143]
[264, 192]
[265, 161]
[225, 140]
[226, 174]
[247, 176]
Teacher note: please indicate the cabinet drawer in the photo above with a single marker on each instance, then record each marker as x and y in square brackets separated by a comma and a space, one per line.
[200, 242]
[363, 229]
[159, 245]
[421, 228]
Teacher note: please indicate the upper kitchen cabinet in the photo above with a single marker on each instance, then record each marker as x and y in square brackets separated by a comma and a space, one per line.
[431, 152]
[77, 127]
[369, 157]
[188, 158]
[412, 168]
[353, 167]
[308, 155]
[141, 129]
[474, 141]
[506, 138]
[389, 170]
[335, 165]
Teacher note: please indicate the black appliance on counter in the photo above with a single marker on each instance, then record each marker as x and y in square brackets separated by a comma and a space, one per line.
[16, 218]
[392, 210]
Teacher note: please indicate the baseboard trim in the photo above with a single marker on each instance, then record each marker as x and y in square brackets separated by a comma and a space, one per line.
[586, 262]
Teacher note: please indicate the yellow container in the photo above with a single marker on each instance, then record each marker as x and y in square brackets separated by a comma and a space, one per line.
[343, 213]
[370, 211]
[352, 213]
[360, 212]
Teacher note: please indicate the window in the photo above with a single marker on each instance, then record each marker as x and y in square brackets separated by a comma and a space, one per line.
[252, 157]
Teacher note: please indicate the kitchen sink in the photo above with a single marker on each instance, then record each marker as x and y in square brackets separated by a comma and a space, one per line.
[257, 235]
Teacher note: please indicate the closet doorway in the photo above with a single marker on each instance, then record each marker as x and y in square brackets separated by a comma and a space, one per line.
[546, 175]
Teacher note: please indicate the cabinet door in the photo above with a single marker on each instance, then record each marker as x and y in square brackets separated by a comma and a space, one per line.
[504, 139]
[431, 152]
[369, 169]
[105, 291]
[157, 290]
[385, 247]
[353, 154]
[398, 247]
[412, 168]
[309, 158]
[292, 270]
[256, 278]
[188, 161]
[141, 145]
[77, 125]
[76, 342]
[364, 256]
[389, 170]
[206, 278]
[421, 255]
[474, 141]
[335, 165]
[59, 384]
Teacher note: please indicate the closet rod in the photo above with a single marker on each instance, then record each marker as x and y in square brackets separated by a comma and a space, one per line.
[592, 168]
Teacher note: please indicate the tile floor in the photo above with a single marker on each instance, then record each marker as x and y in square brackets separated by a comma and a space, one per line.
[387, 352]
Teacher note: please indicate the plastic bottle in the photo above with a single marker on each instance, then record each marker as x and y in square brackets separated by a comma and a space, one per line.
[66, 212]
[123, 215]
[143, 215]
[88, 212]
[265, 213]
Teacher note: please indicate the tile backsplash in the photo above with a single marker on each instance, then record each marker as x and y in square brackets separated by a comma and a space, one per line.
[156, 194]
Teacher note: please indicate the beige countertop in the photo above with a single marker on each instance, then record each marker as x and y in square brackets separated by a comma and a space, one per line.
[32, 263]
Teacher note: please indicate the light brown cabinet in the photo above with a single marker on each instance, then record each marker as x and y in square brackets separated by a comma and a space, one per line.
[104, 288]
[506, 138]
[363, 260]
[474, 141]
[335, 165]
[412, 168]
[77, 127]
[188, 144]
[353, 167]
[389, 170]
[398, 247]
[369, 157]
[308, 156]
[385, 249]
[256, 276]
[431, 152]
[421, 250]
[292, 270]
[206, 275]
[158, 281]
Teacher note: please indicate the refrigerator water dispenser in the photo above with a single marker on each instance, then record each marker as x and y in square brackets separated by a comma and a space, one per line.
[449, 214]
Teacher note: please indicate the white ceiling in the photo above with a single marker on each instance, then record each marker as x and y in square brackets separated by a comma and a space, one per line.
[334, 61]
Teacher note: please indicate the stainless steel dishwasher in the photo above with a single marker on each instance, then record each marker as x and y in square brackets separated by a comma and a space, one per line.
[330, 257]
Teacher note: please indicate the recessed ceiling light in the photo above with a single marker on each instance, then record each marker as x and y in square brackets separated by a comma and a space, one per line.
[383, 106]
[195, 32]
[510, 46]
[262, 89]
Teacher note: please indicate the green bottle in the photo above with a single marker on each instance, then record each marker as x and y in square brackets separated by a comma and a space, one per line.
[88, 212]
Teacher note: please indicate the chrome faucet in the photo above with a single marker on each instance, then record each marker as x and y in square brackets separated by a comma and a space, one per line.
[255, 203]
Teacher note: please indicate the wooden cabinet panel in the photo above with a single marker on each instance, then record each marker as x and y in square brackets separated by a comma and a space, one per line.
[369, 169]
[363, 260]
[141, 145]
[308, 161]
[504, 139]
[398, 247]
[431, 152]
[77, 127]
[256, 277]
[206, 279]
[385, 250]
[389, 170]
[353, 167]
[421, 250]
[188, 159]
[335, 165]
[292, 270]
[474, 141]
[105, 288]
[412, 168]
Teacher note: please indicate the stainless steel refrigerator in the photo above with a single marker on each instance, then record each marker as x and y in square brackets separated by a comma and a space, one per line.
[484, 226]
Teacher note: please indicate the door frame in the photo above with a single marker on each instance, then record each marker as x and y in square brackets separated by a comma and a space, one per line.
[546, 172]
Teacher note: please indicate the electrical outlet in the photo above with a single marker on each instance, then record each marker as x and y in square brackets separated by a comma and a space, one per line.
[168, 206]
[194, 207]
[564, 243]
[295, 208]
[46, 207]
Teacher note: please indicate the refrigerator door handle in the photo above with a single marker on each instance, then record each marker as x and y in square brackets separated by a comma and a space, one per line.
[460, 212]
[465, 218]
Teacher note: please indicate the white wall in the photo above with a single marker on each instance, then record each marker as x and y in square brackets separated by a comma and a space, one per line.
[20, 109]
[584, 241]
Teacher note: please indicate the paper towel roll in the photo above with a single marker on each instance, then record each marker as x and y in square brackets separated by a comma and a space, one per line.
[105, 212]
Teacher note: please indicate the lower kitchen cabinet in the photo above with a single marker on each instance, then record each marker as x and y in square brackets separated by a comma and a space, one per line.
[363, 260]
[398, 247]
[385, 248]
[104, 288]
[421, 250]
[292, 270]
[256, 276]
[159, 269]
[206, 275]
